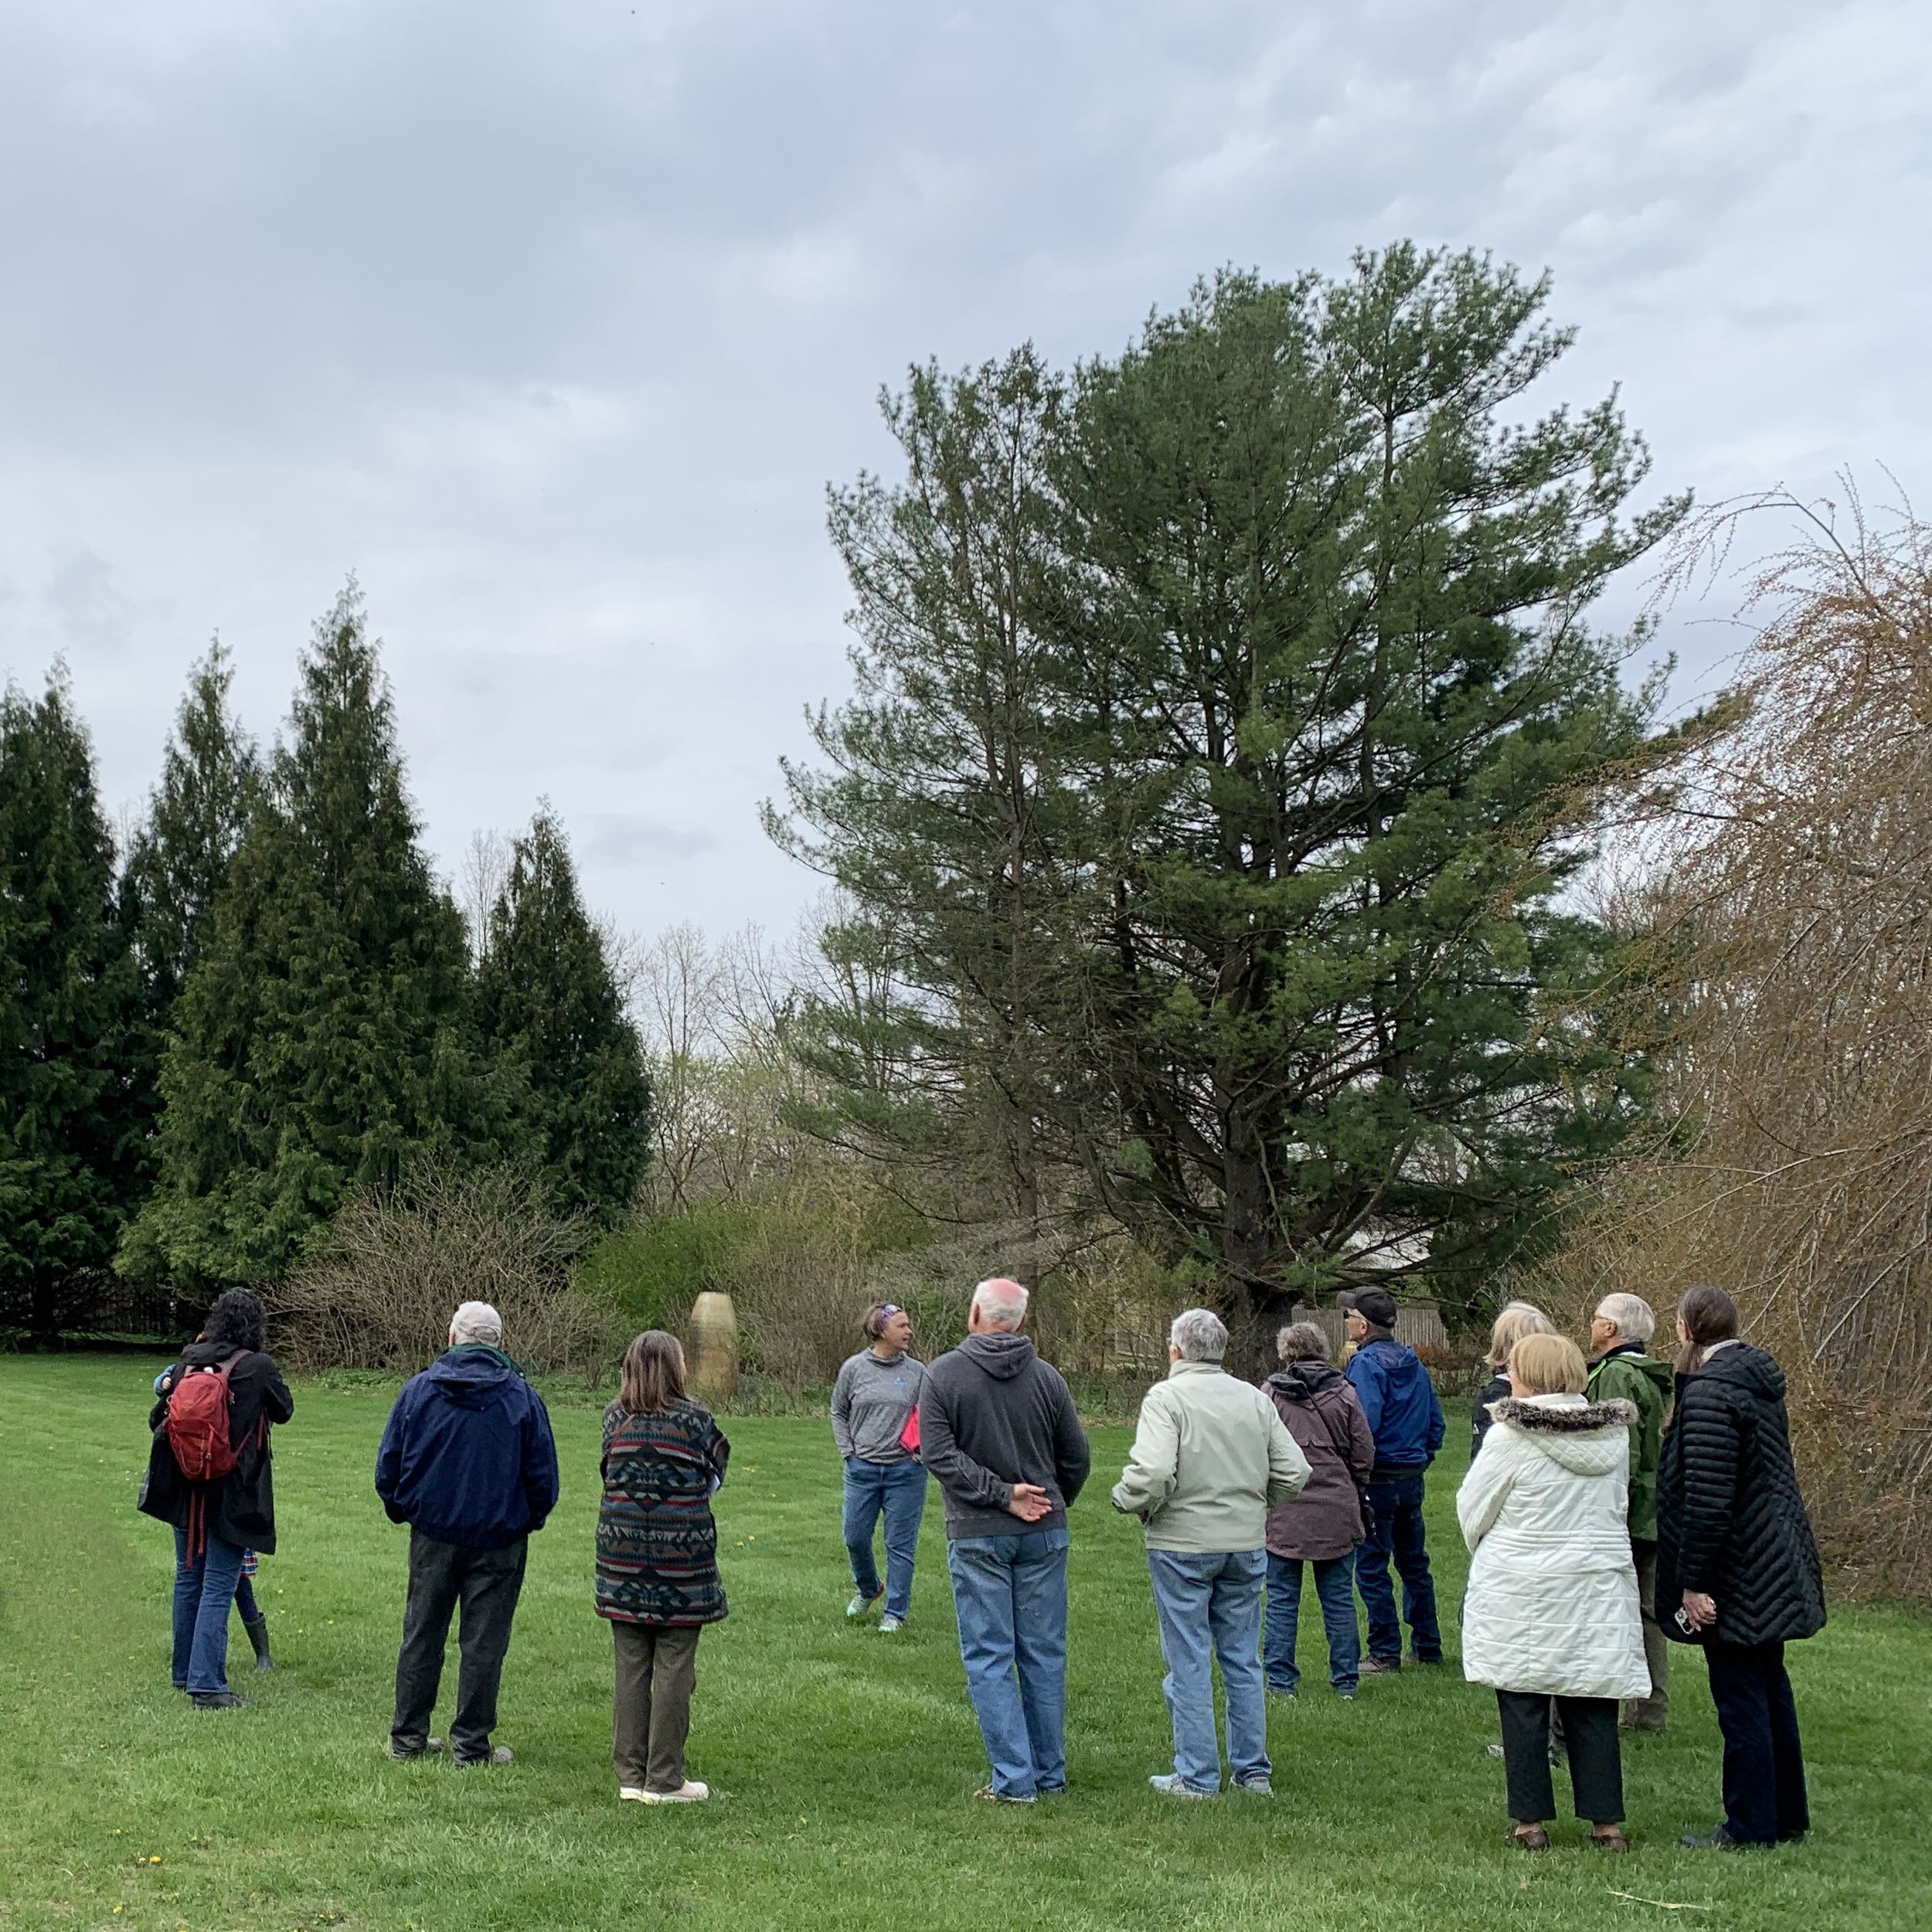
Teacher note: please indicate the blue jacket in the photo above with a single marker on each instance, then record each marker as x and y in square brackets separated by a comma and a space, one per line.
[467, 1457]
[1400, 1401]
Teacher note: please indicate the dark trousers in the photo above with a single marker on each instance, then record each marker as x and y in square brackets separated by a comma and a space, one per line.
[1397, 1503]
[1596, 1766]
[1764, 1798]
[487, 1583]
[651, 1714]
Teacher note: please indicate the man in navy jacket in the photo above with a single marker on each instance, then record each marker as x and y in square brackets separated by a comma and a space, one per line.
[468, 1461]
[1405, 1420]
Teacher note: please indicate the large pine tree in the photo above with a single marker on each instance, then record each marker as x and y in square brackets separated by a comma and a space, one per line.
[71, 1124]
[551, 1013]
[324, 1038]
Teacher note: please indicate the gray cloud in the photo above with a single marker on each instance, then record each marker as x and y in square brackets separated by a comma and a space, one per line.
[553, 323]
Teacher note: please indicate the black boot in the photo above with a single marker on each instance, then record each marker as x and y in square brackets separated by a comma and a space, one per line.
[258, 1636]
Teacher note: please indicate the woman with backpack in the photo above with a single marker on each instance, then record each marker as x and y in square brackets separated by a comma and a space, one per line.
[210, 1474]
[1737, 1567]
[1323, 1523]
[657, 1581]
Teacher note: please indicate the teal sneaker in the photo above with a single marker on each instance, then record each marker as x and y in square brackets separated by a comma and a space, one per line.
[861, 1604]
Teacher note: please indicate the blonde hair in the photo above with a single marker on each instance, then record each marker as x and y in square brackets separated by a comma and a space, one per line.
[653, 1375]
[1548, 1365]
[1518, 1319]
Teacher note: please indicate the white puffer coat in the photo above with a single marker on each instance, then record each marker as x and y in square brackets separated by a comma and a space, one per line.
[1552, 1604]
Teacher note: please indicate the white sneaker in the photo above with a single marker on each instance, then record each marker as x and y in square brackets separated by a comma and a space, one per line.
[631, 1794]
[689, 1792]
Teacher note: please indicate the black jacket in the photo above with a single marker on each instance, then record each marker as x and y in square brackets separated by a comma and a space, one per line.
[1499, 1388]
[239, 1506]
[1730, 1523]
[992, 1414]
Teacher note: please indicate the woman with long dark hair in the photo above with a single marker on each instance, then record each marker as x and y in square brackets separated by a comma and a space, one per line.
[1737, 1567]
[658, 1581]
[210, 1474]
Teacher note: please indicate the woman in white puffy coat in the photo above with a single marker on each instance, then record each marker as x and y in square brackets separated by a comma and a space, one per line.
[1552, 1610]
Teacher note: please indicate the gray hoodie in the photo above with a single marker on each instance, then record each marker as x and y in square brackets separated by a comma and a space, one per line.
[993, 1415]
[870, 1402]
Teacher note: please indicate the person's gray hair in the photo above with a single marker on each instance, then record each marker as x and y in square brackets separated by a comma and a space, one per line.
[1302, 1341]
[1001, 1302]
[1200, 1333]
[1636, 1320]
[475, 1324]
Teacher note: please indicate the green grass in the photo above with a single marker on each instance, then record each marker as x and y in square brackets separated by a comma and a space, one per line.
[843, 1762]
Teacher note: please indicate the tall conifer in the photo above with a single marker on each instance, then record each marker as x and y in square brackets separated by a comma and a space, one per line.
[71, 1145]
[323, 1037]
[550, 1010]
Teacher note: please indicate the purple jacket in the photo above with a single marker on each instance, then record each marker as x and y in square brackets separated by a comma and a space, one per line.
[1326, 1419]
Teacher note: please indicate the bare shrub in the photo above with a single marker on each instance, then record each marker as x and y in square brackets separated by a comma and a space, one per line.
[398, 1260]
[1787, 901]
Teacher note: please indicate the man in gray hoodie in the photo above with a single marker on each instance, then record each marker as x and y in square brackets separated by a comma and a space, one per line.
[998, 1429]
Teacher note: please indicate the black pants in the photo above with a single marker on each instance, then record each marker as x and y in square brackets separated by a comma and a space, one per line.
[1763, 1765]
[1596, 1767]
[486, 1583]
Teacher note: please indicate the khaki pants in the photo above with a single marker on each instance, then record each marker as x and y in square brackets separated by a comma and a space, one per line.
[1648, 1714]
[650, 1715]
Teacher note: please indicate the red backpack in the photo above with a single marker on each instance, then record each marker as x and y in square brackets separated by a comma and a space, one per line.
[197, 1423]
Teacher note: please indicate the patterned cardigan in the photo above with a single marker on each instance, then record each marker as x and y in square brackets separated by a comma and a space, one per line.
[657, 1544]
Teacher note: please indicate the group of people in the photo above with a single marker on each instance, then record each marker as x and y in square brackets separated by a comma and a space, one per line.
[1609, 1505]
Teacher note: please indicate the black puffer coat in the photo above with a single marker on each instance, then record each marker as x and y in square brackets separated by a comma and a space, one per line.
[1730, 1523]
[239, 1508]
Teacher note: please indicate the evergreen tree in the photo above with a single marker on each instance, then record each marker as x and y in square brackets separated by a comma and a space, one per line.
[323, 1038]
[549, 1007]
[71, 1140]
[1311, 730]
[179, 859]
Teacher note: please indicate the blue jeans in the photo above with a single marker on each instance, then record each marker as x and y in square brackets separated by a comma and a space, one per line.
[1335, 1590]
[898, 1491]
[203, 1591]
[1398, 1534]
[1010, 1592]
[1209, 1605]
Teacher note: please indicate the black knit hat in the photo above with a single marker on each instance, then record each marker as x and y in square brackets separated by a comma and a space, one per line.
[1376, 1305]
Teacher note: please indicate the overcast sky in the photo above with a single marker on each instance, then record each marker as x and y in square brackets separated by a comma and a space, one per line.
[551, 321]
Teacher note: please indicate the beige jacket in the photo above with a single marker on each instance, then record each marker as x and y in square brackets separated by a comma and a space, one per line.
[1210, 1458]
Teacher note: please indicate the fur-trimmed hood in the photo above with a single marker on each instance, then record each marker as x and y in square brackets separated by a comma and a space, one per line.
[1588, 1437]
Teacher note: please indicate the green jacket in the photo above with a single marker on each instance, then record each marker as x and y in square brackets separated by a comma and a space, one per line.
[1627, 1371]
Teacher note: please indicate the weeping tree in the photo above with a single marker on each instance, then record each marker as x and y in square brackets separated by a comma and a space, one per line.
[1222, 749]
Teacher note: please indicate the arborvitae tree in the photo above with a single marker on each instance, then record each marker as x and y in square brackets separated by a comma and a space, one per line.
[179, 859]
[549, 1009]
[323, 1038]
[71, 1141]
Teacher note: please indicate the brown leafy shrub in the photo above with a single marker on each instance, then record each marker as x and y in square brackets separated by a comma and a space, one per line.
[1787, 905]
[399, 1261]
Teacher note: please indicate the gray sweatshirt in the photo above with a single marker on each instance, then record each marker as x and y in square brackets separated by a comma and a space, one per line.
[870, 1402]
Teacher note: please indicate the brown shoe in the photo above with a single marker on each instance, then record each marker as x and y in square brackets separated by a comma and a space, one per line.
[1609, 1838]
[1380, 1666]
[1528, 1837]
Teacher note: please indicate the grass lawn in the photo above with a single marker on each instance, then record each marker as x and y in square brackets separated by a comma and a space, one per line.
[843, 1762]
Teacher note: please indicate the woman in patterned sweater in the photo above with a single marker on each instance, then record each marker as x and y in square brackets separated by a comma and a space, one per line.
[658, 1563]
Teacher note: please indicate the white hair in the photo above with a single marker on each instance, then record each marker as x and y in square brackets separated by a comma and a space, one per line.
[1200, 1335]
[474, 1324]
[1636, 1320]
[1001, 1302]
